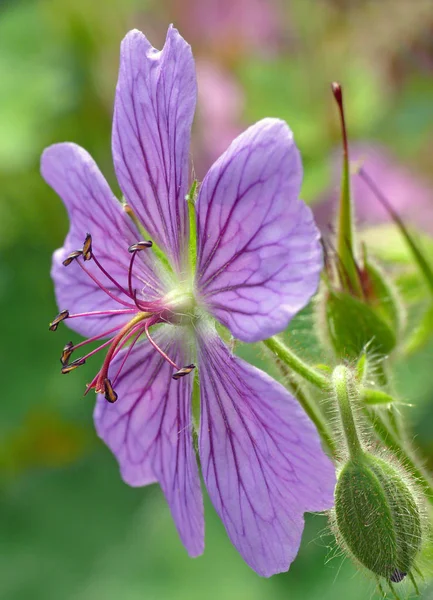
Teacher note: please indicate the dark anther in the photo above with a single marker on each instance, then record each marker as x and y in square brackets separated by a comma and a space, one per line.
[64, 314]
[398, 576]
[73, 365]
[110, 395]
[66, 354]
[140, 246]
[73, 255]
[87, 247]
[183, 371]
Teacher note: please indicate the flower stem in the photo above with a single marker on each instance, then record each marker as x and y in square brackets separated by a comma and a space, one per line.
[367, 396]
[345, 392]
[310, 408]
[295, 363]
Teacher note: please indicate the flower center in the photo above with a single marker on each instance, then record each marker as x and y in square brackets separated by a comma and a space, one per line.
[176, 307]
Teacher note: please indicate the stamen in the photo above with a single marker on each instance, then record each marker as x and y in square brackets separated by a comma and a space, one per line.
[72, 256]
[66, 354]
[97, 337]
[103, 288]
[96, 350]
[101, 268]
[73, 365]
[64, 314]
[183, 371]
[109, 394]
[97, 313]
[140, 246]
[157, 348]
[133, 293]
[130, 348]
[115, 342]
[87, 247]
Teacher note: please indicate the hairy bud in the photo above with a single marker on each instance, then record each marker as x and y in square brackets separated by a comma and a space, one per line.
[377, 517]
[351, 322]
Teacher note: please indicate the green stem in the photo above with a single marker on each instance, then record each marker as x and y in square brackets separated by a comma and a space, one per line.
[380, 426]
[297, 364]
[310, 408]
[346, 391]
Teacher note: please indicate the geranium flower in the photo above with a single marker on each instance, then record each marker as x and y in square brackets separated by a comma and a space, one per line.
[258, 263]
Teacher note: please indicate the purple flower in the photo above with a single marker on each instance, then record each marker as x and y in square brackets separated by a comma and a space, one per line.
[258, 264]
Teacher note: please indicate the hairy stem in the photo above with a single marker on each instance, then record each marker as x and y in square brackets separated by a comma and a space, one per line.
[310, 408]
[345, 391]
[367, 396]
[289, 358]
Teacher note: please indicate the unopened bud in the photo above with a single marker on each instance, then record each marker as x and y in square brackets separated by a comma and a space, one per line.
[377, 517]
[351, 325]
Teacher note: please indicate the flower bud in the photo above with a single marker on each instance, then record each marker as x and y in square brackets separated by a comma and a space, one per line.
[359, 307]
[353, 322]
[351, 326]
[377, 517]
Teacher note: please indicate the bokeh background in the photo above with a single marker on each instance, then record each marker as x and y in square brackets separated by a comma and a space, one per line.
[69, 528]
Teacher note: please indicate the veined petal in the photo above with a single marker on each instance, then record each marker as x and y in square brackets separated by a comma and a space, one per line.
[261, 458]
[154, 108]
[92, 208]
[149, 430]
[259, 256]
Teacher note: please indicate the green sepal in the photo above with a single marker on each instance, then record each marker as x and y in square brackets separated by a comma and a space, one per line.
[192, 246]
[195, 402]
[377, 516]
[352, 326]
[374, 397]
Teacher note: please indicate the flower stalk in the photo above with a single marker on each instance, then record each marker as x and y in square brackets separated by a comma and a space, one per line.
[310, 408]
[368, 398]
[345, 392]
[289, 358]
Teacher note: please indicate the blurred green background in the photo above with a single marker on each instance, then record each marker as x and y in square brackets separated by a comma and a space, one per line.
[69, 528]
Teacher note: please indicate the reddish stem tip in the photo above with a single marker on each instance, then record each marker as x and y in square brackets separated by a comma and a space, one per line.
[337, 90]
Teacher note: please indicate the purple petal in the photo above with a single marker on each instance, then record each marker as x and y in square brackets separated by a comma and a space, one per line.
[259, 256]
[92, 208]
[261, 459]
[149, 429]
[154, 108]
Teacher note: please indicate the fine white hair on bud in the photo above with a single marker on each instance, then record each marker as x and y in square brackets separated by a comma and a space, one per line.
[377, 516]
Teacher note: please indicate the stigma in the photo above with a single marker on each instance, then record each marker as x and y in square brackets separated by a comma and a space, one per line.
[140, 316]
